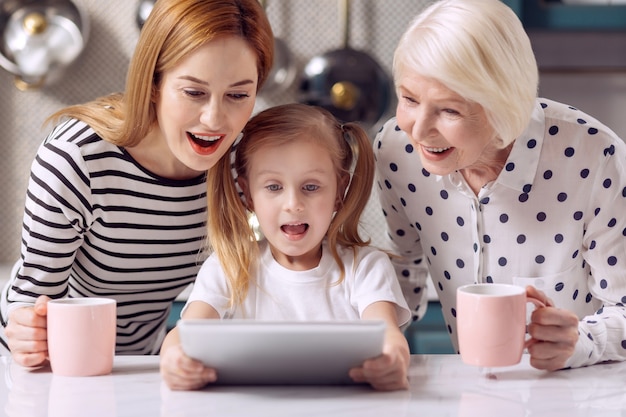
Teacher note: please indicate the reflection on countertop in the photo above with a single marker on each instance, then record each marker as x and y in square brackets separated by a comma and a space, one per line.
[440, 385]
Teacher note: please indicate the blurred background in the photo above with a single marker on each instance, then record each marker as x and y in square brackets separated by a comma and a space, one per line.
[583, 63]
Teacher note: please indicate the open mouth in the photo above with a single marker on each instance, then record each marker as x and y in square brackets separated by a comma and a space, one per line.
[295, 229]
[204, 141]
[435, 150]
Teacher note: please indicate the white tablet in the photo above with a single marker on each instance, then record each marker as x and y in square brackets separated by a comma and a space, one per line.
[282, 352]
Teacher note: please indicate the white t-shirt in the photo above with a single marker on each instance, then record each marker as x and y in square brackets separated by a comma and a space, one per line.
[283, 294]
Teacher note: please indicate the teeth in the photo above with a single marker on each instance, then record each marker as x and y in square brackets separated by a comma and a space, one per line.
[436, 150]
[205, 138]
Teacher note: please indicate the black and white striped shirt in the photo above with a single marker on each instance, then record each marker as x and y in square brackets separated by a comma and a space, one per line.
[98, 224]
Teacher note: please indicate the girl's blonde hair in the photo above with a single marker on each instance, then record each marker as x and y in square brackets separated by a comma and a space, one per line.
[174, 29]
[229, 233]
[478, 49]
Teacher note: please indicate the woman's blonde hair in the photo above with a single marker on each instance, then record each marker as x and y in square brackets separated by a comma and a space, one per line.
[229, 233]
[478, 49]
[173, 30]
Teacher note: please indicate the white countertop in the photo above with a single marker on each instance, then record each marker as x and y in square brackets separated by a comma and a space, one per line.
[441, 385]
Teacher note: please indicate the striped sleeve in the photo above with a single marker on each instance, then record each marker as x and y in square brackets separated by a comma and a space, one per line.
[96, 223]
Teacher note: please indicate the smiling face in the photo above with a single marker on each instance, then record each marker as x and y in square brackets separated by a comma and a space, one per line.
[449, 132]
[292, 189]
[204, 102]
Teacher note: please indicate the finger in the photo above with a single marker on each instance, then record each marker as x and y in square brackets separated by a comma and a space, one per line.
[383, 373]
[567, 336]
[30, 359]
[549, 356]
[551, 316]
[182, 380]
[41, 305]
[533, 292]
[379, 363]
[391, 381]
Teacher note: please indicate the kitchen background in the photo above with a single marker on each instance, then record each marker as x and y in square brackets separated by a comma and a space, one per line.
[587, 70]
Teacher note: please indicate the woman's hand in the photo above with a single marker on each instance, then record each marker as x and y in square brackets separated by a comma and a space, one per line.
[27, 333]
[180, 372]
[554, 334]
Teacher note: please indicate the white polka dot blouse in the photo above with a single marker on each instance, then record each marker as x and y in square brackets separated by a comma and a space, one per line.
[555, 218]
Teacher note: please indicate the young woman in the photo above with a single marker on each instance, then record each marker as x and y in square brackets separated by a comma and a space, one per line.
[116, 203]
[307, 178]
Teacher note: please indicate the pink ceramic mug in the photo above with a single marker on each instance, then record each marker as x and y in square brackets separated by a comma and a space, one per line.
[491, 323]
[81, 336]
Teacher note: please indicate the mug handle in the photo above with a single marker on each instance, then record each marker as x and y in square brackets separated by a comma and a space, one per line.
[538, 304]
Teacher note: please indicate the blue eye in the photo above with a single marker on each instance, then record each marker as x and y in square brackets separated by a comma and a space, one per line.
[193, 93]
[239, 96]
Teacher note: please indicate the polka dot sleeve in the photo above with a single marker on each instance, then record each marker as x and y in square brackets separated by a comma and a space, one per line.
[403, 239]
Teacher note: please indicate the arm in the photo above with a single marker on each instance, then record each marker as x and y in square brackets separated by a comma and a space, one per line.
[407, 258]
[560, 338]
[57, 211]
[179, 371]
[390, 370]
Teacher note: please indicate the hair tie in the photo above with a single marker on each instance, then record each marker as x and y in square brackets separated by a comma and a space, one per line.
[352, 144]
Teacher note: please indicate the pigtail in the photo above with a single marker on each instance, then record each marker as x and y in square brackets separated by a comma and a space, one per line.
[357, 187]
[229, 233]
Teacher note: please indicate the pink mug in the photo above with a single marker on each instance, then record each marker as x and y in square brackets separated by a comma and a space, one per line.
[81, 336]
[491, 323]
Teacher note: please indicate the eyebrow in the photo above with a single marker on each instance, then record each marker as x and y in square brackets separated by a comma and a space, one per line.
[199, 81]
[276, 172]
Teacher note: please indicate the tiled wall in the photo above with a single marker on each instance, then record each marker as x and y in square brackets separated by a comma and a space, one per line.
[309, 27]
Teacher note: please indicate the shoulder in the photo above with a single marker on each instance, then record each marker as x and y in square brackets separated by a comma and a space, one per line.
[393, 148]
[390, 137]
[569, 123]
[72, 131]
[74, 136]
[362, 256]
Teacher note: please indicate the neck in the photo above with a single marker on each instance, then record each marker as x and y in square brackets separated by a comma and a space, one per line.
[486, 169]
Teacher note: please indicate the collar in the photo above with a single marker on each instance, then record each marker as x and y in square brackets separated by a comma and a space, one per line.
[521, 166]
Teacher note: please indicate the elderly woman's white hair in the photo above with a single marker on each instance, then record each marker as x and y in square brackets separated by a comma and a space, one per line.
[478, 49]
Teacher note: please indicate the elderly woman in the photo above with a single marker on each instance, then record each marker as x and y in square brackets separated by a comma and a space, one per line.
[481, 181]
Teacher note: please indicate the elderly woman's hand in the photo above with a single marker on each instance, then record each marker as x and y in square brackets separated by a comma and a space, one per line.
[554, 333]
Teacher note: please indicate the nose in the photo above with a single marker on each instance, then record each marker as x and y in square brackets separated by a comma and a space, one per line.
[293, 201]
[212, 114]
[423, 125]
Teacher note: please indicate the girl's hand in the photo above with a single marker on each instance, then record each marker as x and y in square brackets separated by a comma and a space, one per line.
[554, 334]
[389, 371]
[27, 333]
[180, 372]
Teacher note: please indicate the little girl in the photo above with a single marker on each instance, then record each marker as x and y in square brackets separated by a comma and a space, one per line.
[307, 178]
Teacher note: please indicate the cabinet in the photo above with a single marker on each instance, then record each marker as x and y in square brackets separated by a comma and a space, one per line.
[429, 335]
[556, 15]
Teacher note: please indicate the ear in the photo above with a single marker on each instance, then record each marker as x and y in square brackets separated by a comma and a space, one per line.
[154, 93]
[243, 184]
